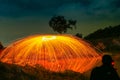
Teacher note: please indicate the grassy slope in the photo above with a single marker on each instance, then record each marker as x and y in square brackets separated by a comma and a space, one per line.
[14, 72]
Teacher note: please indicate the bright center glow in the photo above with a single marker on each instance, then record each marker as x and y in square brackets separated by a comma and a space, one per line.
[53, 52]
[48, 38]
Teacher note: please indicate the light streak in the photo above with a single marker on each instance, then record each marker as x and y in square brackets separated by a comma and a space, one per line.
[53, 52]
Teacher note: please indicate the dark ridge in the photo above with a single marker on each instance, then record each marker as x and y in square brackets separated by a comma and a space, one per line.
[111, 31]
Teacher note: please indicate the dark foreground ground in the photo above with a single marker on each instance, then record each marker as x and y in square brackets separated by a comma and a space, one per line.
[14, 72]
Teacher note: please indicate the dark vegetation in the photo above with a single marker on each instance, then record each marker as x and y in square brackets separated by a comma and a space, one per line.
[111, 31]
[15, 72]
[107, 39]
[61, 25]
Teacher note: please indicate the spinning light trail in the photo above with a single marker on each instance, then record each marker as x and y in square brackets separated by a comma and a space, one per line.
[53, 52]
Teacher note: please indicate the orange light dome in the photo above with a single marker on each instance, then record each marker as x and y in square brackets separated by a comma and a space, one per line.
[53, 52]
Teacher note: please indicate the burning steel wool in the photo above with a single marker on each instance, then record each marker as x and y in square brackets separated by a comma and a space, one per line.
[53, 52]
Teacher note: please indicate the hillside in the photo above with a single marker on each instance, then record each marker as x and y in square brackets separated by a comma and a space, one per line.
[111, 31]
[107, 39]
[15, 72]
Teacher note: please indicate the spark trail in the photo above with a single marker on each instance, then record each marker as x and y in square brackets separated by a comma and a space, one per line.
[53, 52]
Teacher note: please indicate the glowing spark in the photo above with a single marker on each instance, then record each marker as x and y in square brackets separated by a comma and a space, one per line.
[53, 52]
[48, 38]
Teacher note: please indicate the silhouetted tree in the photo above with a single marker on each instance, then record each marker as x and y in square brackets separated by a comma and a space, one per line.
[60, 24]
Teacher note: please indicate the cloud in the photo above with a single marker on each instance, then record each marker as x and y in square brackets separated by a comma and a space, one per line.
[82, 9]
[116, 3]
[24, 7]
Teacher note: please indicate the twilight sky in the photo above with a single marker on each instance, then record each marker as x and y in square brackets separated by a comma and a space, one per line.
[21, 18]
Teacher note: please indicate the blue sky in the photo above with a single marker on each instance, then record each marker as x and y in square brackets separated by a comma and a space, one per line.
[21, 18]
